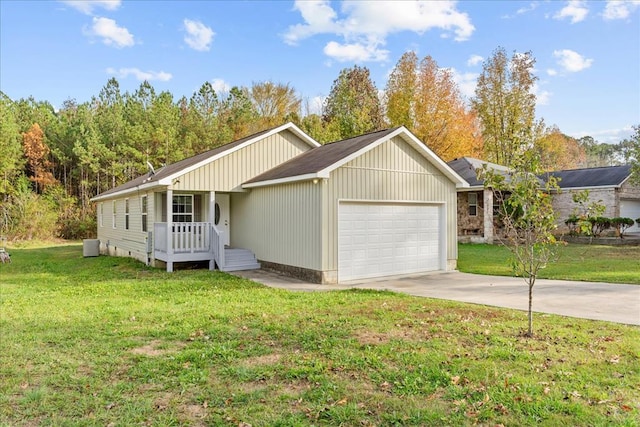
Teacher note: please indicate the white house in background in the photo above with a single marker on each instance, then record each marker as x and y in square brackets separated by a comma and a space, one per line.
[375, 205]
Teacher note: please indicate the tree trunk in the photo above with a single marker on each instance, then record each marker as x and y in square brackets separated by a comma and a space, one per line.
[530, 333]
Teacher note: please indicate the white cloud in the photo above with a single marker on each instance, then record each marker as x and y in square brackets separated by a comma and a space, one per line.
[364, 26]
[319, 18]
[474, 60]
[575, 9]
[139, 74]
[552, 72]
[355, 52]
[220, 86]
[199, 36]
[607, 136]
[542, 96]
[525, 9]
[466, 82]
[110, 32]
[87, 6]
[529, 8]
[618, 9]
[315, 104]
[572, 61]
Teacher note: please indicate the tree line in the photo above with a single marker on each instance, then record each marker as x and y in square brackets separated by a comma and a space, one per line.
[54, 161]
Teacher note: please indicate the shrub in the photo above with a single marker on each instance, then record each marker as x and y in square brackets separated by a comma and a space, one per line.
[599, 224]
[621, 224]
[572, 222]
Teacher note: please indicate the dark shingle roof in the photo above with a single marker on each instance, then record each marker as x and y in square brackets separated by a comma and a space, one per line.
[173, 168]
[610, 176]
[319, 158]
[466, 167]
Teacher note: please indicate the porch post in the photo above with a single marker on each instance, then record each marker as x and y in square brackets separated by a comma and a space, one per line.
[488, 215]
[169, 230]
[211, 220]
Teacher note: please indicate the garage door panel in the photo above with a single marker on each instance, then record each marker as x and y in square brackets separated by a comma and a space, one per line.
[630, 209]
[387, 239]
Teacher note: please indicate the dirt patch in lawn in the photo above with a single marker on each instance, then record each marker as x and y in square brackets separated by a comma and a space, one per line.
[155, 348]
[267, 359]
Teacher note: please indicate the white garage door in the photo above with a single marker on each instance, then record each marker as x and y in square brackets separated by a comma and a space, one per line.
[376, 239]
[630, 209]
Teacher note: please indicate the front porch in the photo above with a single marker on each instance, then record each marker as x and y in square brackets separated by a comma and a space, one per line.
[198, 241]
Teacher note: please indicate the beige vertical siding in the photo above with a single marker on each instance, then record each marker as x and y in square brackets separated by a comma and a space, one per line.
[131, 242]
[229, 172]
[280, 224]
[393, 171]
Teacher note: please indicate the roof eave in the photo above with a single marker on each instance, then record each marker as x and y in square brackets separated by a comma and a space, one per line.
[144, 186]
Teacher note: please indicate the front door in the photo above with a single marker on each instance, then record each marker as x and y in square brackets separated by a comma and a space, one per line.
[222, 217]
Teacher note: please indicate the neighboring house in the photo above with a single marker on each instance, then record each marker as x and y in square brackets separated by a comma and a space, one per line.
[609, 185]
[476, 204]
[375, 205]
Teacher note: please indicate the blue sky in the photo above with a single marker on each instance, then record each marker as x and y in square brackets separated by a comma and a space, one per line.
[587, 52]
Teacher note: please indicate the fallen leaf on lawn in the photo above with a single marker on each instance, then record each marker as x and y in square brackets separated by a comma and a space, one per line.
[341, 401]
[615, 359]
[546, 390]
[454, 380]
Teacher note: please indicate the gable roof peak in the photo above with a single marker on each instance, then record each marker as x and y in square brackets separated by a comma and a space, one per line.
[166, 174]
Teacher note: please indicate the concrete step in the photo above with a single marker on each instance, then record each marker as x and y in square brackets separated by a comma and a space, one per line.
[241, 267]
[237, 259]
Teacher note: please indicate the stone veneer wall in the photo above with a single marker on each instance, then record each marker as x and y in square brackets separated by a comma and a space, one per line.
[630, 191]
[467, 223]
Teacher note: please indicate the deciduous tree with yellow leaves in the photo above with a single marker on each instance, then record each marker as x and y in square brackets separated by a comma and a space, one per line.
[426, 99]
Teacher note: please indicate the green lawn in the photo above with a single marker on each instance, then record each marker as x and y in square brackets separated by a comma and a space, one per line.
[107, 341]
[615, 264]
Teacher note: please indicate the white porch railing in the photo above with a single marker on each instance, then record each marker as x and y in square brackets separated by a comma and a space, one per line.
[186, 237]
[190, 241]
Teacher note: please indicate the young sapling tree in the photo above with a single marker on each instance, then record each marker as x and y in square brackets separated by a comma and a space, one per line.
[528, 217]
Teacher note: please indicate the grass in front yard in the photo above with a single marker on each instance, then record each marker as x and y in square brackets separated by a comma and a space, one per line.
[591, 263]
[107, 341]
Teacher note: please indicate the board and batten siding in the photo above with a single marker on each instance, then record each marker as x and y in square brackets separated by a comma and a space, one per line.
[229, 172]
[392, 171]
[120, 241]
[280, 223]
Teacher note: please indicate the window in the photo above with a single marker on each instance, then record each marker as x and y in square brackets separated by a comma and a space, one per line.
[143, 209]
[113, 222]
[473, 204]
[126, 214]
[183, 208]
[101, 215]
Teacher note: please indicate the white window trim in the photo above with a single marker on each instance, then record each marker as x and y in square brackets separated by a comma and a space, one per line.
[101, 215]
[143, 212]
[126, 214]
[472, 204]
[114, 214]
[182, 213]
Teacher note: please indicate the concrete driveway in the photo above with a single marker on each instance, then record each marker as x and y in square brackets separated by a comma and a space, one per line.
[587, 300]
